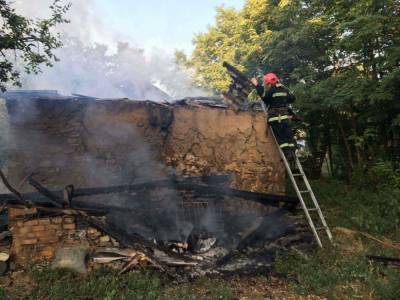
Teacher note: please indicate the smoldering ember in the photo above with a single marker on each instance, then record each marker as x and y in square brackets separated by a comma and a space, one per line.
[192, 187]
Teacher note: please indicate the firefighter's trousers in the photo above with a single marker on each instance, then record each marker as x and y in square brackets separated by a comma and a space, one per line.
[283, 132]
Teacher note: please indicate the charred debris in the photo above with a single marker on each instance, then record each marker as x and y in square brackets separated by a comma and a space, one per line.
[234, 244]
[204, 227]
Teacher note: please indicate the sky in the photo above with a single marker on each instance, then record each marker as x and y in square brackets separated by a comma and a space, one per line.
[147, 24]
[168, 24]
[158, 27]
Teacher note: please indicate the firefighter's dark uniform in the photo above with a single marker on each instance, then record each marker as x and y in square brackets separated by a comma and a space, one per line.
[278, 98]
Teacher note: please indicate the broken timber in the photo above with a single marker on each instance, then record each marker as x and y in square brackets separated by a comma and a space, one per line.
[187, 184]
[240, 87]
[132, 240]
[384, 259]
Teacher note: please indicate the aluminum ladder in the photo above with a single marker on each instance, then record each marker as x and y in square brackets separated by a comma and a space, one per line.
[315, 208]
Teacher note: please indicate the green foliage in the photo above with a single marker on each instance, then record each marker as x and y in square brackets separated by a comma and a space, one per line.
[341, 58]
[32, 41]
[2, 293]
[378, 176]
[234, 38]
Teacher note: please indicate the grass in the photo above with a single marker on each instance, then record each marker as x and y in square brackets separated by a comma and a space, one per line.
[372, 211]
[342, 271]
[330, 273]
[107, 284]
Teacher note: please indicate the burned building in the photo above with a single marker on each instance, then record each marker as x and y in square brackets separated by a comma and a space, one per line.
[88, 142]
[98, 143]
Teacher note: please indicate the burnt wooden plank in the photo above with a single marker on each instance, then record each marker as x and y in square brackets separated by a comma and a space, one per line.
[187, 184]
[385, 259]
[53, 198]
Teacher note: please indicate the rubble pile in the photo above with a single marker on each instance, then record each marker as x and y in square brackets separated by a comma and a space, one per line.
[245, 242]
[189, 188]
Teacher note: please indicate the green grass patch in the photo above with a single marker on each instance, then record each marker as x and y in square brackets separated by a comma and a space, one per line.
[343, 271]
[106, 284]
[328, 272]
[372, 211]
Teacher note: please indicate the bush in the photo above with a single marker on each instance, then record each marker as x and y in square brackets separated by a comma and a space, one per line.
[380, 175]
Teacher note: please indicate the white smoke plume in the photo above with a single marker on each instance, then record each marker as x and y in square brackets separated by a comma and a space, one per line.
[98, 61]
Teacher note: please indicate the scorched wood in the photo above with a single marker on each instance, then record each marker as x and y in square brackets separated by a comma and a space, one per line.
[187, 184]
[384, 259]
[17, 195]
[54, 199]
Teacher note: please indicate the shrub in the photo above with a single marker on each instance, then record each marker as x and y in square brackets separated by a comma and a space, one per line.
[381, 174]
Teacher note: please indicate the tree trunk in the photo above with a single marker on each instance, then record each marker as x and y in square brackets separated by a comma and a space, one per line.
[359, 152]
[350, 168]
[330, 156]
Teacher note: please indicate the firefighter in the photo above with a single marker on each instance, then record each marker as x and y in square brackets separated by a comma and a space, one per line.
[277, 98]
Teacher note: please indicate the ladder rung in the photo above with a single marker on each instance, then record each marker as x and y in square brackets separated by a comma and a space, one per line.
[296, 171]
[312, 209]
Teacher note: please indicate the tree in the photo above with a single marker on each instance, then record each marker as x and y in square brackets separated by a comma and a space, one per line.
[341, 58]
[32, 41]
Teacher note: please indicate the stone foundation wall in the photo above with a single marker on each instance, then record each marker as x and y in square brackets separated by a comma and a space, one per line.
[37, 239]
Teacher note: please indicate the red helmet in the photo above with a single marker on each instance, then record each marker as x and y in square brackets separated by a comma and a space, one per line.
[271, 78]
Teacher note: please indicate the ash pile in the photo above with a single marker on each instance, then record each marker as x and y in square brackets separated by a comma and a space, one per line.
[186, 227]
[248, 245]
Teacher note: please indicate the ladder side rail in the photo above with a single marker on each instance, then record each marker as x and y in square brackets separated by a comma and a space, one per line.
[307, 183]
[287, 166]
[315, 201]
[296, 187]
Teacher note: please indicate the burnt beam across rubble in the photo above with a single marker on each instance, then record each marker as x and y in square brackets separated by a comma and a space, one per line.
[205, 186]
[251, 254]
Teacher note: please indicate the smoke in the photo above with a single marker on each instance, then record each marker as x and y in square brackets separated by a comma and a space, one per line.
[111, 68]
[86, 23]
[98, 61]
[111, 160]
[4, 128]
